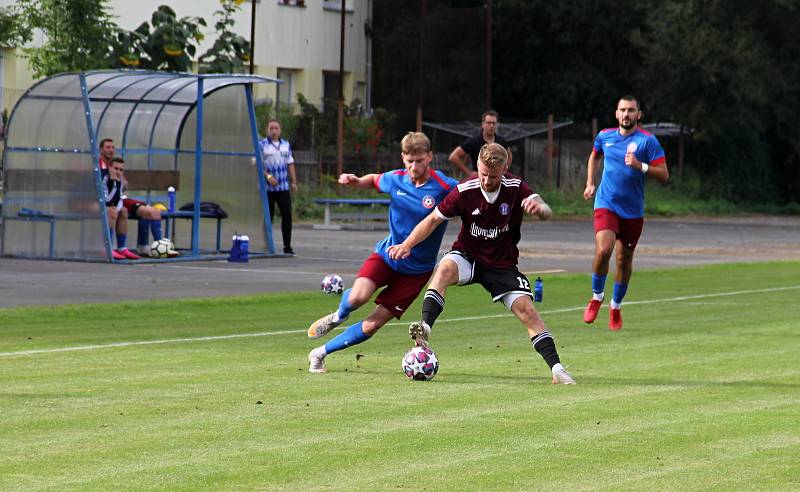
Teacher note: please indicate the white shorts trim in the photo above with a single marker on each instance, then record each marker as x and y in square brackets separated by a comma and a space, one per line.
[509, 297]
[466, 268]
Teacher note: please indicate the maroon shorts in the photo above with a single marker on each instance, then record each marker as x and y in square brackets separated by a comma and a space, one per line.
[627, 230]
[132, 206]
[401, 288]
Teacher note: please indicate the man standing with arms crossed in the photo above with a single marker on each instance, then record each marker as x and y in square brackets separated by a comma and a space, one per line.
[490, 205]
[472, 146]
[631, 154]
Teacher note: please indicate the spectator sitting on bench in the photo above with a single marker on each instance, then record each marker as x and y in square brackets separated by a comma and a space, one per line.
[117, 214]
[134, 208]
[147, 215]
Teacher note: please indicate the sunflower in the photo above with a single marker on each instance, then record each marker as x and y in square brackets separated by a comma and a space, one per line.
[173, 49]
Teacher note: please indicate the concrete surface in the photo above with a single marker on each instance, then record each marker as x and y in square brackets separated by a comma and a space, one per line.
[557, 245]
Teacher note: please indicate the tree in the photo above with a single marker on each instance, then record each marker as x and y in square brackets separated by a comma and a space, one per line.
[13, 32]
[166, 43]
[230, 50]
[78, 34]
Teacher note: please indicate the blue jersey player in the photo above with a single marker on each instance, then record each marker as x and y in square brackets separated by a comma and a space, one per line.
[629, 154]
[414, 192]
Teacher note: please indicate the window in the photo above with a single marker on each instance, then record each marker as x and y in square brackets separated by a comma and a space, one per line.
[330, 91]
[336, 5]
[293, 3]
[286, 90]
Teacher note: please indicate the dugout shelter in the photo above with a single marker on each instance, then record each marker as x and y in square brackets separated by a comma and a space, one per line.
[197, 132]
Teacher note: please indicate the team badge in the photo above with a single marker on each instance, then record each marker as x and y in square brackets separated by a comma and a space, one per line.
[504, 209]
[428, 201]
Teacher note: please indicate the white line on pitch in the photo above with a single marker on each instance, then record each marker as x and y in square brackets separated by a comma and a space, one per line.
[445, 320]
[249, 270]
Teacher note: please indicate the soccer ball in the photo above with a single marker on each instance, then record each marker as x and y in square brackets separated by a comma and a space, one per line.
[332, 284]
[160, 248]
[420, 364]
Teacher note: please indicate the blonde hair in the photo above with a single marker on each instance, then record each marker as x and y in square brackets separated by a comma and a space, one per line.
[415, 143]
[493, 155]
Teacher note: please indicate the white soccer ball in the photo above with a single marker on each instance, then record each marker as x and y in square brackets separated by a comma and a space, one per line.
[160, 248]
[420, 364]
[332, 284]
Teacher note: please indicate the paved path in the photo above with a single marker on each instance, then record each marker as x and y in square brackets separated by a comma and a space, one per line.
[547, 246]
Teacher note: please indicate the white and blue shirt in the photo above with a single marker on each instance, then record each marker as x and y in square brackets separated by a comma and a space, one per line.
[277, 157]
[621, 189]
[409, 204]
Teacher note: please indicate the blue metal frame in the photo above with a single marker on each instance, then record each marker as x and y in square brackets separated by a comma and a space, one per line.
[198, 168]
[98, 179]
[262, 185]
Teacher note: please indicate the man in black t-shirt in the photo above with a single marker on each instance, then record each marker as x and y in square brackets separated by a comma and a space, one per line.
[472, 146]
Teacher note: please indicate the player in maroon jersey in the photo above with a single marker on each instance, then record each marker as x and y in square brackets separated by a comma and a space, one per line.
[490, 205]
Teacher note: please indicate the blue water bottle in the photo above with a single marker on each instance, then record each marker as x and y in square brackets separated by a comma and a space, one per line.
[171, 199]
[538, 290]
[244, 245]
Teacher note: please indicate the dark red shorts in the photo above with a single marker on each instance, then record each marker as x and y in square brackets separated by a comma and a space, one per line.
[401, 289]
[132, 206]
[627, 230]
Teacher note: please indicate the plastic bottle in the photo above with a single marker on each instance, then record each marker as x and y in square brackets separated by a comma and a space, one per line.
[538, 290]
[171, 199]
[244, 245]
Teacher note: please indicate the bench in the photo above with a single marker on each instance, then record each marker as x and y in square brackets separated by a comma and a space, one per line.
[31, 215]
[364, 212]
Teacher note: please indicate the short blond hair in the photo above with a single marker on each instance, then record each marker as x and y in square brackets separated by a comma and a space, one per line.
[493, 155]
[415, 143]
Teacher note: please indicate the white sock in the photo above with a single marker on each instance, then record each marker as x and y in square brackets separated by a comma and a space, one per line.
[319, 351]
[614, 305]
[598, 296]
[557, 367]
[336, 316]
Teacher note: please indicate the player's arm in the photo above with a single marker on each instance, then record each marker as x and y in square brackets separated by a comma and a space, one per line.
[365, 181]
[459, 159]
[419, 234]
[658, 170]
[595, 159]
[535, 205]
[292, 176]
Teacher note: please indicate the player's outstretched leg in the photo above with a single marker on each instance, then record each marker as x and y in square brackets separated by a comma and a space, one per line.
[432, 307]
[327, 323]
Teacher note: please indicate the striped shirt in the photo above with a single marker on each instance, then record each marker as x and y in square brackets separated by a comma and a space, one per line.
[277, 157]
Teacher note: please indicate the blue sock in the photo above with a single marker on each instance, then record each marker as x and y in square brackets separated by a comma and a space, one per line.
[345, 308]
[598, 283]
[353, 335]
[122, 241]
[141, 237]
[155, 228]
[619, 292]
[111, 233]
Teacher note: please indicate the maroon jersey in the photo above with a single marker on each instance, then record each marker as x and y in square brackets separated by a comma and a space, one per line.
[489, 231]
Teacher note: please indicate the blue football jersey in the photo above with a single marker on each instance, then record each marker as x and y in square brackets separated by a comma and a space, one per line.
[408, 205]
[621, 188]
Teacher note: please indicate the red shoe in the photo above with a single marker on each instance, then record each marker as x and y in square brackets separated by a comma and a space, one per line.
[117, 255]
[590, 314]
[129, 255]
[615, 319]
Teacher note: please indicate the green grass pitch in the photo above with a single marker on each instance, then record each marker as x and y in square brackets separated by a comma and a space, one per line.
[700, 390]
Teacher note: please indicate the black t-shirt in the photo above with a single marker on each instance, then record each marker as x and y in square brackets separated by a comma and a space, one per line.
[472, 146]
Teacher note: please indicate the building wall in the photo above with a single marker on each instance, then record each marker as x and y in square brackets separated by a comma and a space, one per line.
[303, 38]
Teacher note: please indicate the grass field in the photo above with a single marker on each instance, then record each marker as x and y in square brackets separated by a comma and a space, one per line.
[700, 390]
